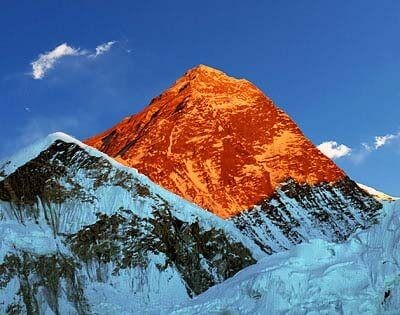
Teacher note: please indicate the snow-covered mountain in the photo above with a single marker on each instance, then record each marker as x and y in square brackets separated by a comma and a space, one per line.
[359, 276]
[82, 234]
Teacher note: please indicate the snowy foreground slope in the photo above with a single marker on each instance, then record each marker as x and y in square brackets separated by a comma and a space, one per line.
[360, 276]
[82, 234]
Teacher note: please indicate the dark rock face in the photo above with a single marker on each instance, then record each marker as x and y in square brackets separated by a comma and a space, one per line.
[54, 178]
[297, 212]
[128, 240]
[42, 275]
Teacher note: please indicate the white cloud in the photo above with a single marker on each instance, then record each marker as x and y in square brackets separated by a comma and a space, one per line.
[334, 150]
[103, 48]
[383, 140]
[46, 61]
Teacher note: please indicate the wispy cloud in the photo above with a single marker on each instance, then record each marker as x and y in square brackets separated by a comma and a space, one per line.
[367, 147]
[380, 141]
[334, 150]
[47, 61]
[103, 48]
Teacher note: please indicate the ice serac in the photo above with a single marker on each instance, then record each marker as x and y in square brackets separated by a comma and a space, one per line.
[82, 234]
[218, 142]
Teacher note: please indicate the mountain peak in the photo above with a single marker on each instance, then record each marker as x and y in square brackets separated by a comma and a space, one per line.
[10, 164]
[207, 74]
[222, 91]
[217, 141]
[204, 69]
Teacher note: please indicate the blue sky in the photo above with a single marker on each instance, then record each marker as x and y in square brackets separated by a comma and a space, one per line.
[333, 66]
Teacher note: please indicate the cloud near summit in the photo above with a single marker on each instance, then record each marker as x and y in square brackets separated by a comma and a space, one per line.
[334, 150]
[48, 60]
[102, 49]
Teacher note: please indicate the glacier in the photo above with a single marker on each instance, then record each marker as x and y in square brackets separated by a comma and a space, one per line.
[359, 276]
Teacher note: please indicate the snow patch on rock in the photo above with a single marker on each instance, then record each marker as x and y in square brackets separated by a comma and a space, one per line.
[376, 193]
